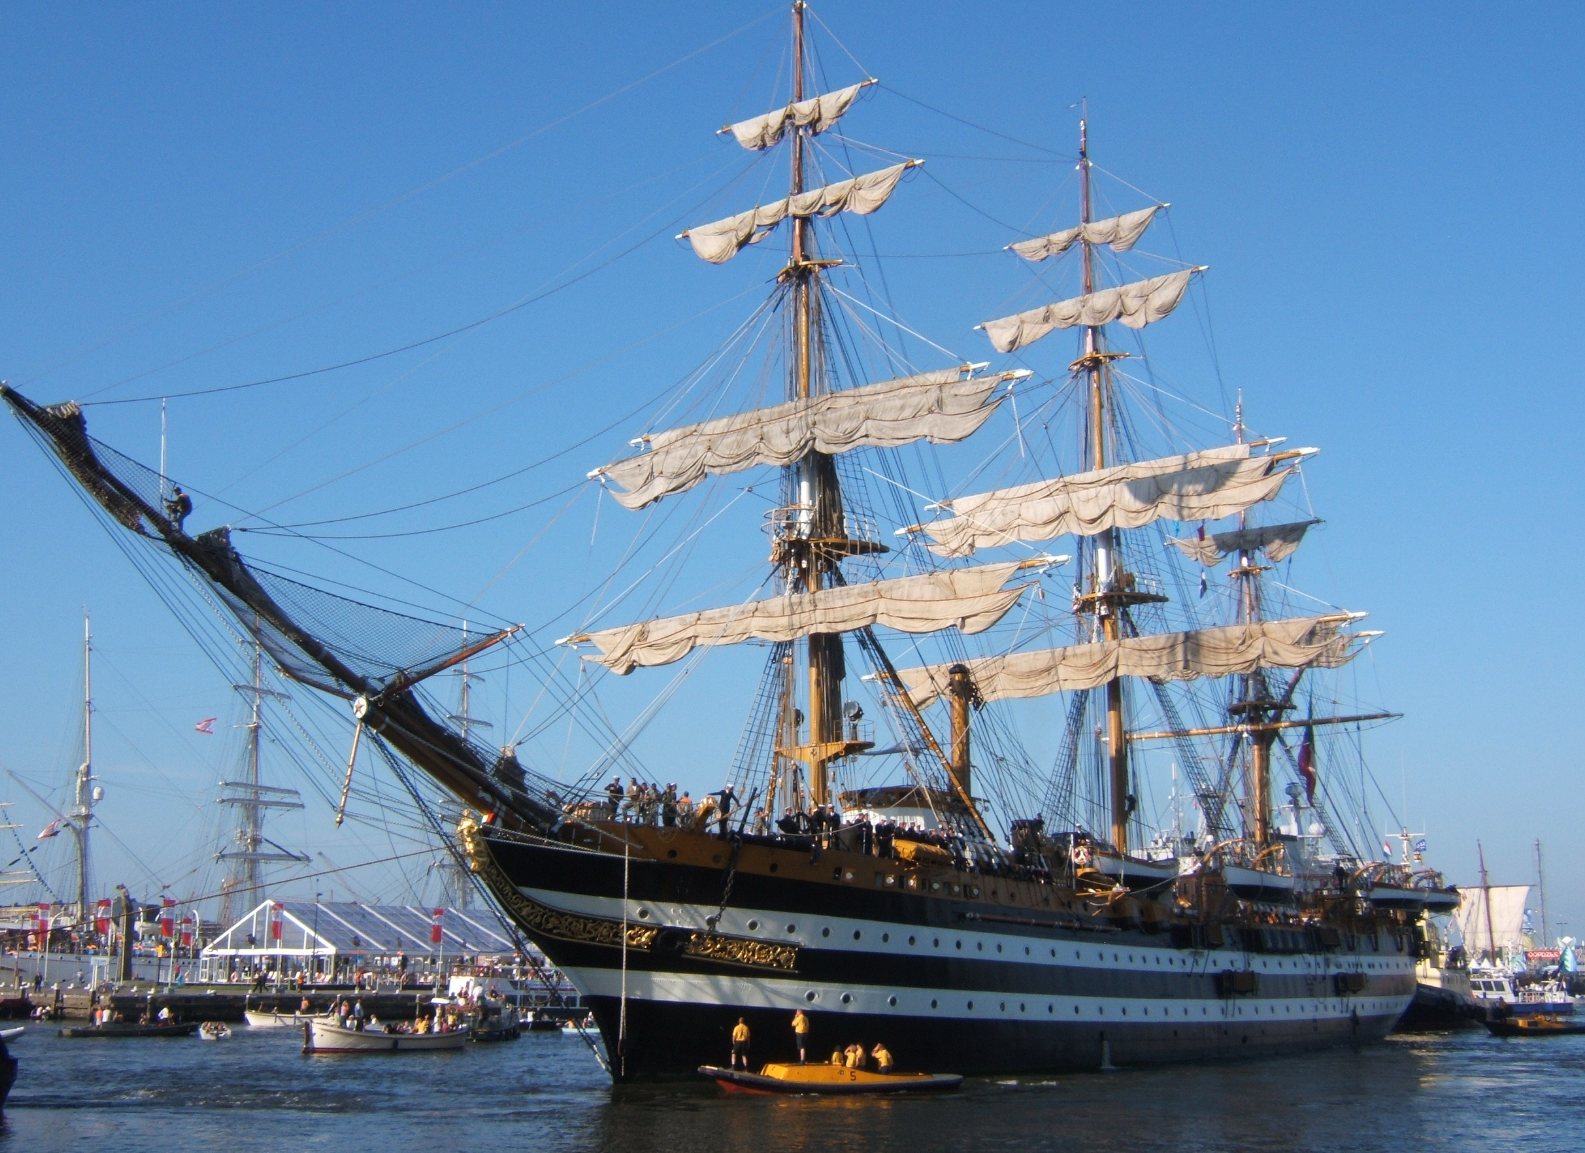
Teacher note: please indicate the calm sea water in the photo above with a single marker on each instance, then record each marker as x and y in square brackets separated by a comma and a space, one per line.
[257, 1092]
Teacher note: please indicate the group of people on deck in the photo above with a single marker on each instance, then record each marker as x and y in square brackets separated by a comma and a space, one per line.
[650, 804]
[853, 1057]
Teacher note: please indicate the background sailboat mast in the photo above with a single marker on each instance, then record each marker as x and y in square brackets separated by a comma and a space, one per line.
[82, 811]
[1094, 362]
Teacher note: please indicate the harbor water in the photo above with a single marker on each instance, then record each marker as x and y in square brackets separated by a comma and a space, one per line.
[256, 1091]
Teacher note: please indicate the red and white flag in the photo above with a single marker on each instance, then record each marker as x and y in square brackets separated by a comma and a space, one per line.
[1307, 763]
[53, 829]
[206, 726]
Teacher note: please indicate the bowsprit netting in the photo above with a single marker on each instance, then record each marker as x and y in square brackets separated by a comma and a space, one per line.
[373, 655]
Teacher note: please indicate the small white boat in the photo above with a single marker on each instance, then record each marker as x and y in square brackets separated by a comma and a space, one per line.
[325, 1036]
[12, 1034]
[214, 1031]
[261, 1019]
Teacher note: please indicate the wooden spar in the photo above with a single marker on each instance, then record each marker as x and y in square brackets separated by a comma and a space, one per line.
[1261, 726]
[346, 787]
[406, 680]
[960, 691]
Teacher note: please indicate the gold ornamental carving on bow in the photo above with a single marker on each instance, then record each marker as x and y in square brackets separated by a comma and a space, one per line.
[542, 919]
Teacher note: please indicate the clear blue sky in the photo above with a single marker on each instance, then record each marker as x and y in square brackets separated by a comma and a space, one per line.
[198, 196]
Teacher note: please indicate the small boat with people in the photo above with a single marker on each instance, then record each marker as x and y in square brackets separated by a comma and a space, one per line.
[214, 1031]
[118, 1029]
[833, 1079]
[274, 1019]
[327, 1035]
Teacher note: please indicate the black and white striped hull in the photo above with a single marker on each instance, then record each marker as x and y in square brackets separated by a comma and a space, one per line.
[935, 979]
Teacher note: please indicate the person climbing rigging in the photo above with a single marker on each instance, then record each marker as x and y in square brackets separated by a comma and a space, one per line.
[178, 507]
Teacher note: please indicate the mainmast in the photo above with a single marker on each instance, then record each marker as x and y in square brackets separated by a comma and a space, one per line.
[814, 539]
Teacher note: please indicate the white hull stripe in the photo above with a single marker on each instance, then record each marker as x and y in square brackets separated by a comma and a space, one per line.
[959, 1004]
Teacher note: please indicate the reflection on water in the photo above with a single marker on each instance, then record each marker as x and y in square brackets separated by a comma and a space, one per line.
[257, 1092]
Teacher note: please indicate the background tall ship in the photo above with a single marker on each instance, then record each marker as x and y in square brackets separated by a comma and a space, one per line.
[916, 877]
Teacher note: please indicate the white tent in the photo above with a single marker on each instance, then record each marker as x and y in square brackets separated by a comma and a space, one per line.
[327, 937]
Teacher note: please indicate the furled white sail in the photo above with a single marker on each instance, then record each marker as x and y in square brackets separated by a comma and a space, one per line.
[1195, 486]
[943, 406]
[1134, 305]
[1121, 232]
[1505, 928]
[721, 241]
[1277, 541]
[971, 599]
[817, 114]
[1286, 644]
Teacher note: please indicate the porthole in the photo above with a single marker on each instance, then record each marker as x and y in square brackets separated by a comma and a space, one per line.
[847, 998]
[979, 946]
[774, 866]
[671, 854]
[643, 914]
[971, 1004]
[1021, 1007]
[937, 942]
[892, 1001]
[1026, 951]
[885, 937]
[960, 944]
[932, 1004]
[856, 934]
[910, 940]
[1004, 1006]
[792, 928]
[752, 925]
[998, 948]
[825, 932]
[810, 995]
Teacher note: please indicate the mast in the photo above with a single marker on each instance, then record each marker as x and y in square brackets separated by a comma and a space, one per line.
[252, 797]
[1106, 599]
[1540, 876]
[82, 810]
[814, 538]
[1485, 892]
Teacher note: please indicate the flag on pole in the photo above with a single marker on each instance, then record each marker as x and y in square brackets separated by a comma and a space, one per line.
[206, 726]
[435, 931]
[53, 829]
[1307, 763]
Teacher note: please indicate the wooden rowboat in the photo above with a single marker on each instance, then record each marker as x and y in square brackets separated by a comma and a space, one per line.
[834, 1079]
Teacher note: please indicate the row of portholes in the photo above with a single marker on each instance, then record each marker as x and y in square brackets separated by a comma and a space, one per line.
[1100, 1010]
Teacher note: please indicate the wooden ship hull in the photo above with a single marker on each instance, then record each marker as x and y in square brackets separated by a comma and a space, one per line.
[1019, 978]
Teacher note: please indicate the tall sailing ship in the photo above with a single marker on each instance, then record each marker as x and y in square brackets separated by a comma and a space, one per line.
[1062, 926]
